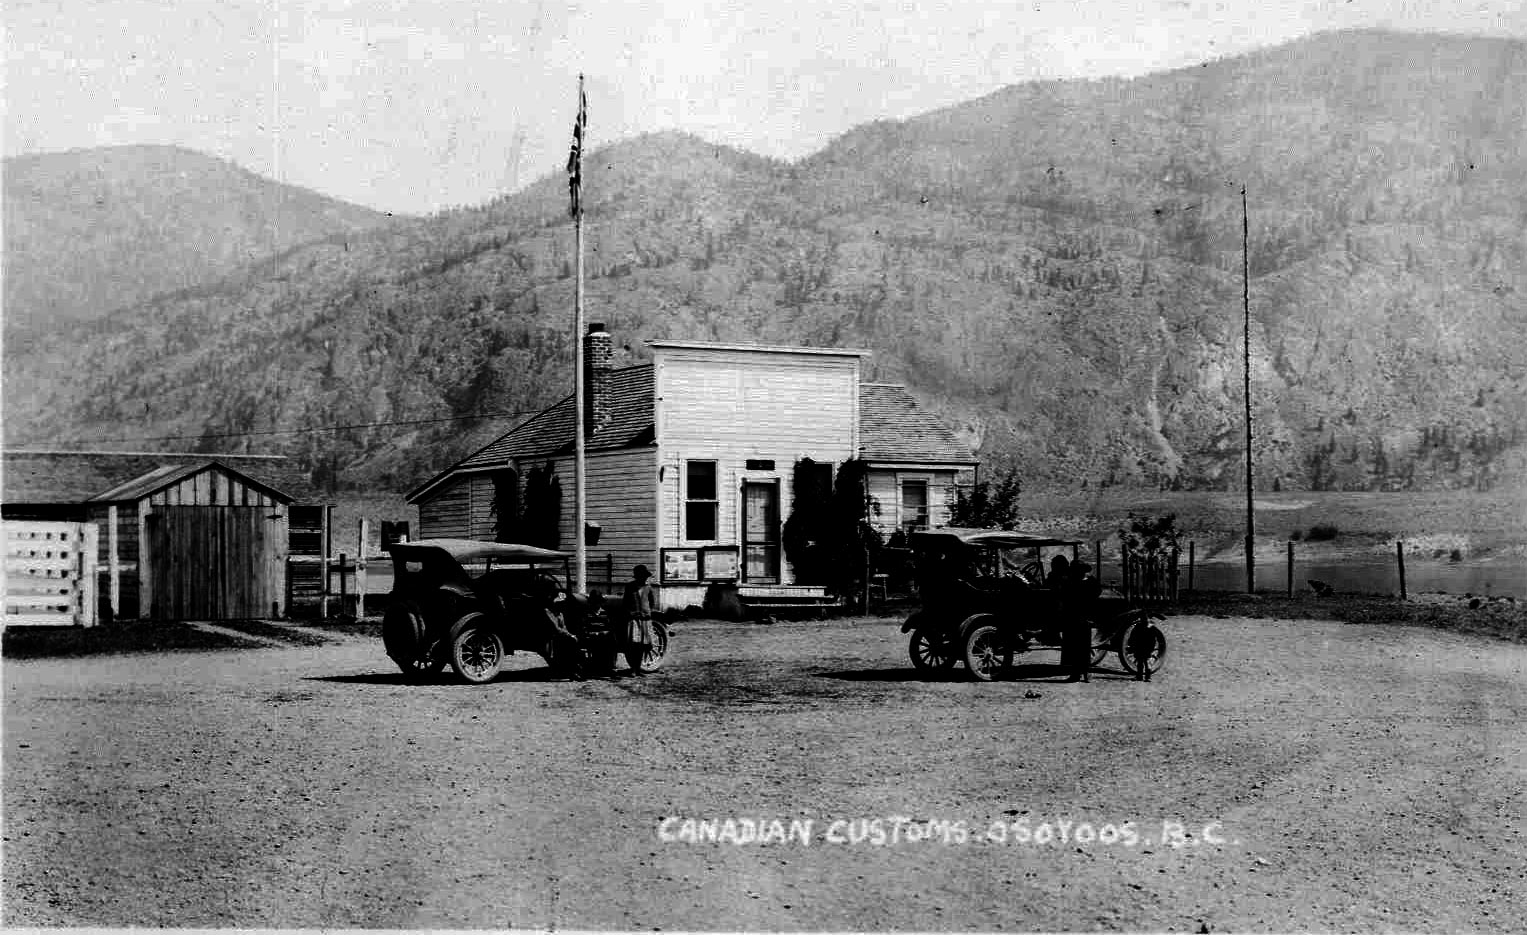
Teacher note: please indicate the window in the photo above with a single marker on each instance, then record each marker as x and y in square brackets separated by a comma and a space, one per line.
[700, 500]
[914, 505]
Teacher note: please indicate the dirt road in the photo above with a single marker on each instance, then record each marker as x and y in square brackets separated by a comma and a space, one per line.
[1330, 776]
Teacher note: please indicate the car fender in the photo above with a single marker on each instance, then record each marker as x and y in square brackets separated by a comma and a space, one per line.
[919, 618]
[977, 620]
[473, 619]
[460, 590]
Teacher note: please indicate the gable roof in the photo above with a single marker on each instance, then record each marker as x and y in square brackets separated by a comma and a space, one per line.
[893, 427]
[167, 474]
[550, 432]
[61, 477]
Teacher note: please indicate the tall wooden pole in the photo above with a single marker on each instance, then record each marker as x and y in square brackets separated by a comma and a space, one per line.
[579, 506]
[1251, 575]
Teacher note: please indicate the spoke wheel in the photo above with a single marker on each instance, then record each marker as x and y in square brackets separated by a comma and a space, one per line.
[404, 637]
[1100, 647]
[928, 653]
[984, 654]
[1148, 650]
[476, 654]
[653, 658]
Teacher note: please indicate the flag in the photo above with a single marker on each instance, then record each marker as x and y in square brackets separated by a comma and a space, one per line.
[575, 155]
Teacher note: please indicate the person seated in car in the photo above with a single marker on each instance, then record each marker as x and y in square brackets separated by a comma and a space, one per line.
[562, 645]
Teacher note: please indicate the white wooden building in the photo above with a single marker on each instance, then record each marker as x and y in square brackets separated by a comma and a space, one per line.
[691, 460]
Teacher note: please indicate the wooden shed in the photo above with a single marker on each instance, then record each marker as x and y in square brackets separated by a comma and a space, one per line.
[188, 538]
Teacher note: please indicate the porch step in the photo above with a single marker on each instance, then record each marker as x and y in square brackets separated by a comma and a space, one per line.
[763, 595]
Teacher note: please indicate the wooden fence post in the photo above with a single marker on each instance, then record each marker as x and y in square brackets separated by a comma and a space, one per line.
[343, 590]
[323, 566]
[89, 552]
[1172, 581]
[360, 571]
[1290, 568]
[1190, 566]
[114, 562]
[1399, 554]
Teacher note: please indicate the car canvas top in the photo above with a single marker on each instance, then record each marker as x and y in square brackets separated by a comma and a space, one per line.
[474, 550]
[990, 538]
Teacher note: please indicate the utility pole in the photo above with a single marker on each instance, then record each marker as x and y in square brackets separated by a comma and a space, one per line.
[575, 186]
[1251, 575]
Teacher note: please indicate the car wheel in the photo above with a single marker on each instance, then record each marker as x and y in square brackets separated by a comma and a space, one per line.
[476, 652]
[1100, 647]
[653, 658]
[930, 654]
[405, 637]
[1133, 658]
[984, 653]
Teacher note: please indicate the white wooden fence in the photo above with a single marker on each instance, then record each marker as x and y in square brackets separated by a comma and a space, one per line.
[50, 574]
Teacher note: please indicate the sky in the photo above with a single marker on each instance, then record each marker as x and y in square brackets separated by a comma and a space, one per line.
[417, 105]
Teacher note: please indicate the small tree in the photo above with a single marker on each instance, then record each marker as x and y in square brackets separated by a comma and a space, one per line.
[508, 518]
[541, 513]
[988, 505]
[852, 544]
[808, 529]
[1148, 536]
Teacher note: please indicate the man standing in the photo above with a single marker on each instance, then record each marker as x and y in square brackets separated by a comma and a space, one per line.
[1078, 589]
[638, 603]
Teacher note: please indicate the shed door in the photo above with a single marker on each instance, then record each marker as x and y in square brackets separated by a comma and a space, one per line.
[212, 562]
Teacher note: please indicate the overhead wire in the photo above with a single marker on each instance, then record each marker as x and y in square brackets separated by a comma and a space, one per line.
[310, 430]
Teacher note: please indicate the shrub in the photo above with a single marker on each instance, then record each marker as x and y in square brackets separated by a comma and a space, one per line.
[1323, 532]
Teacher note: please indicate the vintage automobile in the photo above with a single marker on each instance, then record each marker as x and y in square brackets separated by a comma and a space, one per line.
[440, 613]
[985, 599]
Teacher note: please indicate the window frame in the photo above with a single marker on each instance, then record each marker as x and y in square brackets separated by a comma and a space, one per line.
[714, 502]
[904, 523]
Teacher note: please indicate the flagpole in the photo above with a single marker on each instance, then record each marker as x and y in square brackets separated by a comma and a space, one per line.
[579, 505]
[1251, 576]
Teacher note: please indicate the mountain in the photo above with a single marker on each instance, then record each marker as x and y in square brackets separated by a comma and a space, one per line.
[1056, 268]
[92, 230]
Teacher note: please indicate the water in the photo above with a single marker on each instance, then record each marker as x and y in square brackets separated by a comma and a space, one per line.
[1369, 577]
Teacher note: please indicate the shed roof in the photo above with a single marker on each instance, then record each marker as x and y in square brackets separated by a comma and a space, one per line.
[893, 427]
[61, 477]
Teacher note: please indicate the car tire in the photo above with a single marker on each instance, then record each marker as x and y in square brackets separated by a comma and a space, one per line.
[1153, 660]
[476, 651]
[405, 637]
[652, 659]
[984, 655]
[929, 654]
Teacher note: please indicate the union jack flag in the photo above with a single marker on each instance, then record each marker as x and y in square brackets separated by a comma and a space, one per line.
[575, 155]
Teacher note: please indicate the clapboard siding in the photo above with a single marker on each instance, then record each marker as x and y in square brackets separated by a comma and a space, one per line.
[622, 491]
[448, 514]
[735, 406]
[728, 403]
[885, 496]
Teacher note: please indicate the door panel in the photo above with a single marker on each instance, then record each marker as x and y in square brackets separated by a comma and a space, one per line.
[760, 532]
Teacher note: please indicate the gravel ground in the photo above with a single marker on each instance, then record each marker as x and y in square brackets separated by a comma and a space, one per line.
[1325, 776]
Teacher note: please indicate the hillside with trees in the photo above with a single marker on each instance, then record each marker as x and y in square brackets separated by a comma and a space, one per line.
[1055, 268]
[91, 230]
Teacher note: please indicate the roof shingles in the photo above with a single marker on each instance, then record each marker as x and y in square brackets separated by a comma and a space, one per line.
[892, 427]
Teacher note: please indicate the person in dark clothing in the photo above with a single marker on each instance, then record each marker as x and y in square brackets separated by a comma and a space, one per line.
[638, 604]
[563, 649]
[1142, 642]
[1077, 589]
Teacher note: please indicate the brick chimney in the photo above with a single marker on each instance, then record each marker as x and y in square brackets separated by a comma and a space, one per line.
[598, 347]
